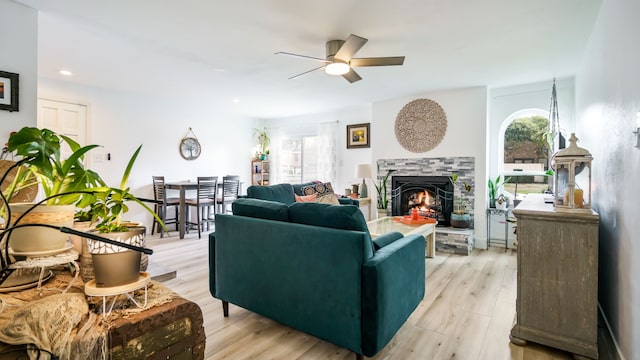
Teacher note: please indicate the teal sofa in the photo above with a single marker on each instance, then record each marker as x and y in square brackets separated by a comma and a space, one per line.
[285, 193]
[314, 267]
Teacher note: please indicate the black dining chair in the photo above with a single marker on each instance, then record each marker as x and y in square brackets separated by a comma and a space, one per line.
[229, 192]
[203, 203]
[161, 204]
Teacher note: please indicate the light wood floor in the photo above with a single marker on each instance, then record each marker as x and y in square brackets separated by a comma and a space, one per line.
[467, 312]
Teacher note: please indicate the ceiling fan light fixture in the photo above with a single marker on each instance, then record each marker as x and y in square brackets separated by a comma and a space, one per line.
[337, 68]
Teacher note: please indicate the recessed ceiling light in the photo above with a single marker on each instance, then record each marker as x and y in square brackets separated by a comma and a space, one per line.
[65, 72]
[236, 100]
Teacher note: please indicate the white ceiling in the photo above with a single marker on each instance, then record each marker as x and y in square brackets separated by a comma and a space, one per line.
[220, 50]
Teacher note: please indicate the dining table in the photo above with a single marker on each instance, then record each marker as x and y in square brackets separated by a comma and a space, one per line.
[182, 187]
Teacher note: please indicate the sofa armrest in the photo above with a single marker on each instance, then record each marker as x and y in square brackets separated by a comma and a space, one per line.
[349, 201]
[386, 239]
[393, 284]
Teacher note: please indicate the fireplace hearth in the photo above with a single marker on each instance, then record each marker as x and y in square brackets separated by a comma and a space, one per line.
[431, 195]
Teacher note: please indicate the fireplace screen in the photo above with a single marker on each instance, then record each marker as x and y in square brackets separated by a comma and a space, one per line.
[431, 195]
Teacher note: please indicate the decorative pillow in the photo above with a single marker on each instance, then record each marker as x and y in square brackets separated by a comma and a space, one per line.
[307, 198]
[327, 198]
[320, 189]
[324, 191]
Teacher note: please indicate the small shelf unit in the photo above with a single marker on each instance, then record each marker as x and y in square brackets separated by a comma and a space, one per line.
[259, 172]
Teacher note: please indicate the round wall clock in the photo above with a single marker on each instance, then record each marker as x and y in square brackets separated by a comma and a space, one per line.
[420, 125]
[190, 148]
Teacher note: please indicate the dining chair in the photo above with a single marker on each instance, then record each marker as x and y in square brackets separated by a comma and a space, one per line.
[203, 202]
[229, 192]
[162, 203]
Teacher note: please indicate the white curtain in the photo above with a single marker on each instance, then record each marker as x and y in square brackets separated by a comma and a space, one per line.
[326, 151]
[275, 155]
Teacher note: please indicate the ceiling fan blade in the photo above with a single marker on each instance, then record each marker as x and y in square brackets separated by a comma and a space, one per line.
[301, 56]
[306, 72]
[377, 61]
[352, 76]
[350, 47]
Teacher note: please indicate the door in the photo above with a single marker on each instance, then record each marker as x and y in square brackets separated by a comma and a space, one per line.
[64, 118]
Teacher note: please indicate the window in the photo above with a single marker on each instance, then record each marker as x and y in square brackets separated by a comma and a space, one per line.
[304, 153]
[299, 160]
[526, 155]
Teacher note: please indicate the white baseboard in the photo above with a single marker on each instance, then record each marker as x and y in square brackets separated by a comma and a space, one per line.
[613, 338]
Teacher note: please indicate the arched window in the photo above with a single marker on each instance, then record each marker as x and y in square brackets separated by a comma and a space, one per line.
[524, 152]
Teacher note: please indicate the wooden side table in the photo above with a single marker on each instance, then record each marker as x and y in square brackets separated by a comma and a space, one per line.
[366, 202]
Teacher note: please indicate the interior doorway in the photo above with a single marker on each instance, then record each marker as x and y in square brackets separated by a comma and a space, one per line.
[66, 118]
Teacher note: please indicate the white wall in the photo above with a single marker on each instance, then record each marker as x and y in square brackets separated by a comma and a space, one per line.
[466, 111]
[607, 100]
[120, 122]
[347, 158]
[18, 54]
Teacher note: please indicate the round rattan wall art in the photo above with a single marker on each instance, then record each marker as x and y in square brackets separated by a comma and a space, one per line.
[420, 125]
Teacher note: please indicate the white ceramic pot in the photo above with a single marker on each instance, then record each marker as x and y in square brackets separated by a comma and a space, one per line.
[35, 238]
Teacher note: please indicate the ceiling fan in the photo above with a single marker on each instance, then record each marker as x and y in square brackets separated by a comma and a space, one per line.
[340, 61]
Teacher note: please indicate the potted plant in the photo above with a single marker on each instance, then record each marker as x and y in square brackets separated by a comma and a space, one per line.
[502, 202]
[115, 265]
[381, 189]
[494, 186]
[460, 217]
[263, 140]
[62, 180]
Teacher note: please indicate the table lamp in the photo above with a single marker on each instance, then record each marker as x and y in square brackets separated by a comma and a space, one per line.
[363, 171]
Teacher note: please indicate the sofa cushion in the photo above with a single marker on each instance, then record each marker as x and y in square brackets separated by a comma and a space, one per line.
[281, 192]
[263, 209]
[345, 217]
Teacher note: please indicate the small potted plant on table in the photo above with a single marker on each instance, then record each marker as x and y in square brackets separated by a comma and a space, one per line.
[494, 186]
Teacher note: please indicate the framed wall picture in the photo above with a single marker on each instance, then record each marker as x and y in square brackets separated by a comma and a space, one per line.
[8, 91]
[358, 136]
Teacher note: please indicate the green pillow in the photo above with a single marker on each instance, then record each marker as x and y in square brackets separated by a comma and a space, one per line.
[262, 209]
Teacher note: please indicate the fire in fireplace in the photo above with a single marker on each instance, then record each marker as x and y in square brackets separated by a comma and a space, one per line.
[431, 195]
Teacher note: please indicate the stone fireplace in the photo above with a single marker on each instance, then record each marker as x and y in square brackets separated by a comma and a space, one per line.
[432, 196]
[424, 183]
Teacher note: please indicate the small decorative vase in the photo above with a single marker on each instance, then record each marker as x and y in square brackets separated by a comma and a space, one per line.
[382, 213]
[460, 221]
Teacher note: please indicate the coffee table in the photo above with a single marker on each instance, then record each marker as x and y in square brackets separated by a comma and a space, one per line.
[388, 223]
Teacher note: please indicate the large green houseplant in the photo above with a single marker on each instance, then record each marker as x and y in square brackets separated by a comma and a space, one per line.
[63, 181]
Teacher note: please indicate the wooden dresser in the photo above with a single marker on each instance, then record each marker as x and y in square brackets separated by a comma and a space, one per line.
[557, 290]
